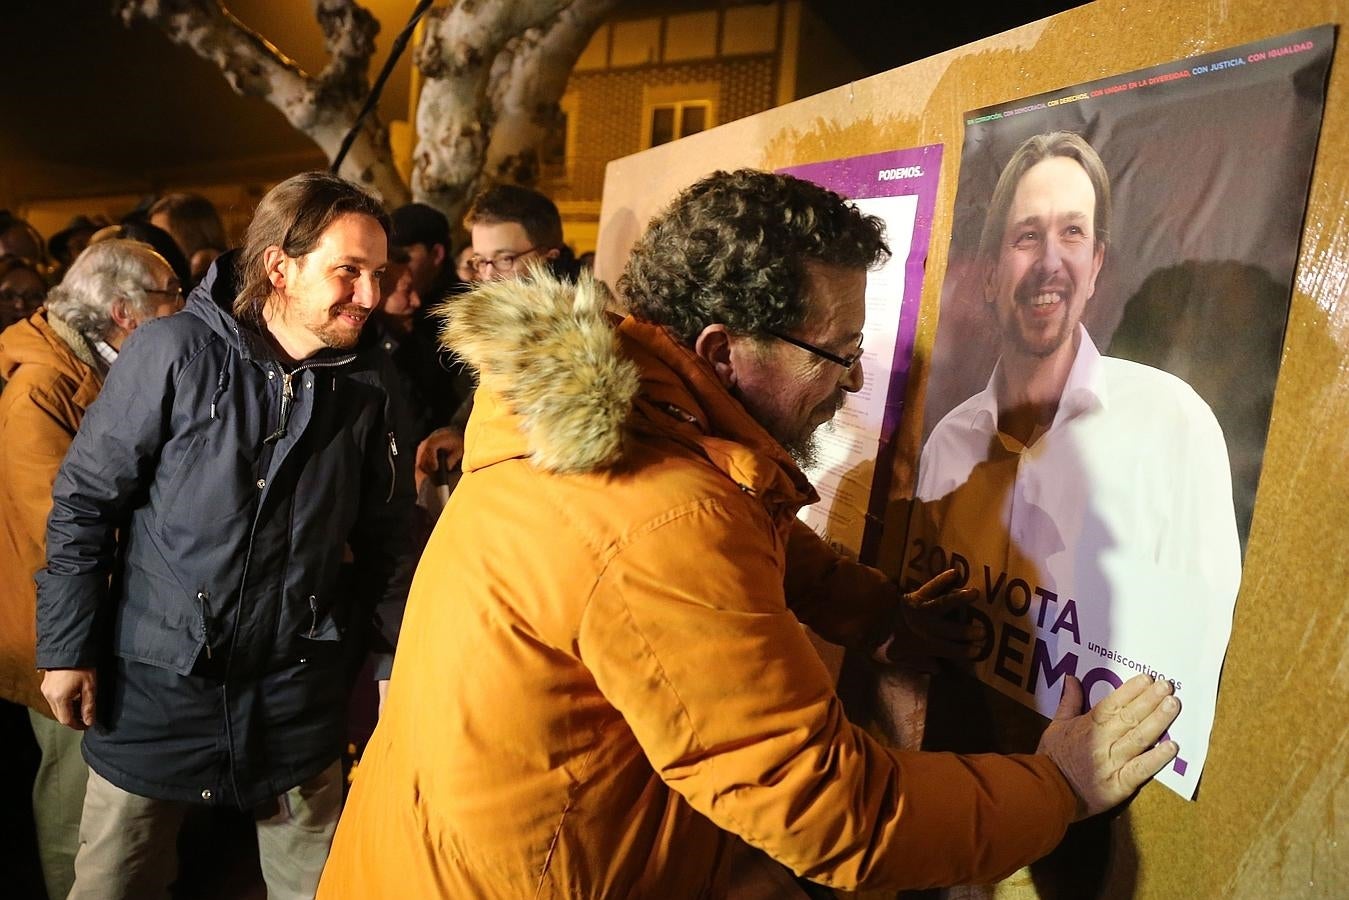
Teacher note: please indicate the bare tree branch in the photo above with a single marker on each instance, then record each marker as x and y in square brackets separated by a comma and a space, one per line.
[529, 79]
[323, 108]
[349, 32]
[251, 64]
[454, 117]
[494, 69]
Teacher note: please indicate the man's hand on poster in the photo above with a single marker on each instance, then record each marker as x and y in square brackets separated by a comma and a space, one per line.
[930, 623]
[70, 693]
[1110, 751]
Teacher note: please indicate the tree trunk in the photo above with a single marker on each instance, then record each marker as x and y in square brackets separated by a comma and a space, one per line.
[454, 116]
[322, 108]
[529, 79]
[494, 69]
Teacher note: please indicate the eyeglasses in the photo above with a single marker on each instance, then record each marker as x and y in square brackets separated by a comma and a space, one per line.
[502, 262]
[846, 362]
[175, 293]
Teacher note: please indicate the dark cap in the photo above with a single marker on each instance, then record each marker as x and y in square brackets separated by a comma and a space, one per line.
[417, 223]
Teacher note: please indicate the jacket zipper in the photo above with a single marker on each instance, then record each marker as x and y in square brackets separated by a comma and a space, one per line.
[202, 597]
[313, 615]
[221, 382]
[393, 470]
[288, 390]
[287, 401]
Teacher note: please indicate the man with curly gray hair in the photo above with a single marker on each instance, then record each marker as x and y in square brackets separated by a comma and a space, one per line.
[603, 672]
[54, 362]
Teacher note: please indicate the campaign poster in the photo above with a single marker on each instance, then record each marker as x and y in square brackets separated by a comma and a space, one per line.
[852, 474]
[1111, 326]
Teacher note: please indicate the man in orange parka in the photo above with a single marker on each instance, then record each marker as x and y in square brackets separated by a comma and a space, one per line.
[603, 670]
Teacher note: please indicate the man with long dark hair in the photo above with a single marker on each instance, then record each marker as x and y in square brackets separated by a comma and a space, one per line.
[191, 618]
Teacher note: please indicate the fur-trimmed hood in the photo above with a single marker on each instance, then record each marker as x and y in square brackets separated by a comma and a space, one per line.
[569, 386]
[546, 350]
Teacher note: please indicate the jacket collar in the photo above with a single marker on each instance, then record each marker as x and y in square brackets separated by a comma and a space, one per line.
[79, 344]
[44, 340]
[682, 398]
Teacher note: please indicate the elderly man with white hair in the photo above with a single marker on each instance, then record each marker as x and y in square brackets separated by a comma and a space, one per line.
[53, 363]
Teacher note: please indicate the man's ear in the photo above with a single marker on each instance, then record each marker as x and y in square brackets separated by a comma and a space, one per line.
[438, 253]
[552, 254]
[274, 263]
[120, 313]
[714, 345]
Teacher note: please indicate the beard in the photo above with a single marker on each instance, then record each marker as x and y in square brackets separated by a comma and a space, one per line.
[336, 333]
[804, 449]
[802, 441]
[1037, 343]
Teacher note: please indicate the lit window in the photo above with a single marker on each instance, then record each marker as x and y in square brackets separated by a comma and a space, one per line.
[671, 121]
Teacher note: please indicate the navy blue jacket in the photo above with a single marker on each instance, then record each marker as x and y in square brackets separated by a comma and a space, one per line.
[195, 554]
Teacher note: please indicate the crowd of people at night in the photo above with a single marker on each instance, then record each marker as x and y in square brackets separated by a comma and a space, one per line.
[224, 584]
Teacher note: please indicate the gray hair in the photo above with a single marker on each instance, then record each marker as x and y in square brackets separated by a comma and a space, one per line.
[105, 272]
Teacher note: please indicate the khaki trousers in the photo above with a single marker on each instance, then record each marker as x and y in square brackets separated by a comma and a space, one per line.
[58, 797]
[128, 843]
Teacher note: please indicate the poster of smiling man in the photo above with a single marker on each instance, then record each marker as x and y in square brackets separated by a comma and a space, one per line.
[1102, 376]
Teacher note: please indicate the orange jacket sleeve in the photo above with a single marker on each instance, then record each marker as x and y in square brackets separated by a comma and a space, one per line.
[843, 601]
[736, 712]
[36, 439]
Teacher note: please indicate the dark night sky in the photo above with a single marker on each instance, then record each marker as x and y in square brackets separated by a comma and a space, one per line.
[886, 33]
[84, 91]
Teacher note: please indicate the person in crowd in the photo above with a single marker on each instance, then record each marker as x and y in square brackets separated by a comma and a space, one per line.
[195, 225]
[54, 363]
[622, 678]
[194, 617]
[421, 244]
[463, 267]
[511, 228]
[423, 233]
[19, 238]
[70, 241]
[391, 329]
[22, 289]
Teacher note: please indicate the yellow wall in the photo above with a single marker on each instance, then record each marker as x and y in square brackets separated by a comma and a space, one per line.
[1270, 819]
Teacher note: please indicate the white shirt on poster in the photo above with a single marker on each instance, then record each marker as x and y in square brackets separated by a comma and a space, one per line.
[1122, 510]
[1134, 457]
